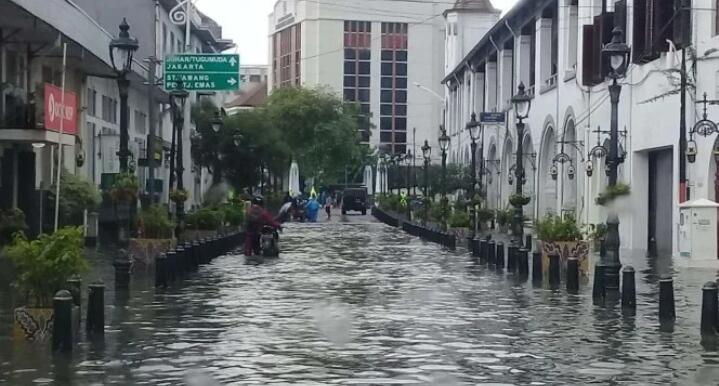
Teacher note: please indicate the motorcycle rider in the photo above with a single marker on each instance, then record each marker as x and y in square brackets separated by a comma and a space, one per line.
[257, 218]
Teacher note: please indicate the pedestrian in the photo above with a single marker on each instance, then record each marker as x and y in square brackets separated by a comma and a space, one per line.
[313, 208]
[328, 206]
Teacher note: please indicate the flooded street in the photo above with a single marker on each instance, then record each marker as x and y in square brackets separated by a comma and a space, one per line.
[360, 303]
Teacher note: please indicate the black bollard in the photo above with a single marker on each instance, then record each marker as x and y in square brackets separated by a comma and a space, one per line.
[95, 322]
[492, 252]
[483, 253]
[512, 259]
[709, 308]
[181, 267]
[523, 262]
[62, 325]
[202, 251]
[572, 274]
[629, 289]
[500, 256]
[196, 254]
[474, 247]
[598, 291]
[528, 242]
[554, 269]
[537, 273]
[122, 272]
[666, 299]
[171, 265]
[161, 268]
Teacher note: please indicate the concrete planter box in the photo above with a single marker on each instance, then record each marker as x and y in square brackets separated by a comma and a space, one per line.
[460, 233]
[566, 249]
[192, 235]
[144, 251]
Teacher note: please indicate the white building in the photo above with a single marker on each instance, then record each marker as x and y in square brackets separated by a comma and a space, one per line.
[554, 47]
[372, 53]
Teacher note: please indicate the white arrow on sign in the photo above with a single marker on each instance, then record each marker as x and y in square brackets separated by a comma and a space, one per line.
[233, 61]
[232, 81]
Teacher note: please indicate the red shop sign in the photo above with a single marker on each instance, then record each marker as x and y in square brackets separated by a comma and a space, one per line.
[56, 111]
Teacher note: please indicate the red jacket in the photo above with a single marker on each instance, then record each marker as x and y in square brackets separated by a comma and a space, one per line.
[258, 217]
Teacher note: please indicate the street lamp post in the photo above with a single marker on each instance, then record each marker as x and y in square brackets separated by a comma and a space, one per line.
[180, 95]
[122, 49]
[408, 183]
[475, 129]
[217, 124]
[427, 155]
[617, 53]
[522, 104]
[444, 146]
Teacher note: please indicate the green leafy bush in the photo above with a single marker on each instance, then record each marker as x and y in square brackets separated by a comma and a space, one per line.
[44, 265]
[204, 219]
[125, 188]
[179, 196]
[155, 223]
[441, 212]
[556, 228]
[504, 217]
[11, 222]
[233, 214]
[459, 219]
[612, 193]
[76, 195]
[485, 215]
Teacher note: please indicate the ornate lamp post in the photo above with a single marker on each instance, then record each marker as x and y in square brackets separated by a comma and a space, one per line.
[409, 160]
[444, 146]
[522, 104]
[122, 49]
[474, 129]
[618, 54]
[217, 124]
[427, 155]
[179, 95]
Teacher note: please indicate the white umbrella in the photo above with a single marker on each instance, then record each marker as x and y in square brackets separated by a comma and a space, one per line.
[294, 183]
[369, 179]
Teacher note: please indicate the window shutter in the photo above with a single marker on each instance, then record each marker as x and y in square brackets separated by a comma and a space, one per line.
[681, 35]
[639, 23]
[607, 28]
[587, 54]
[620, 15]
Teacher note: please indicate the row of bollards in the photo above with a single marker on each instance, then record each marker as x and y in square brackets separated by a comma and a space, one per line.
[180, 261]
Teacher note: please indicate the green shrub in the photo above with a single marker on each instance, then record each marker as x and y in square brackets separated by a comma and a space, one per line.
[556, 228]
[204, 219]
[11, 222]
[519, 200]
[612, 193]
[44, 265]
[125, 187]
[155, 223]
[233, 214]
[441, 212]
[504, 217]
[459, 219]
[485, 215]
[76, 195]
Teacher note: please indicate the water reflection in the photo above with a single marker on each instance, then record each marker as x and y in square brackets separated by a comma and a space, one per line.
[364, 304]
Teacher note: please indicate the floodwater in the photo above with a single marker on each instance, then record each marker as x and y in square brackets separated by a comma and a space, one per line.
[360, 303]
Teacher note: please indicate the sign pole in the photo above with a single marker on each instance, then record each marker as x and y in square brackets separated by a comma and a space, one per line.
[59, 146]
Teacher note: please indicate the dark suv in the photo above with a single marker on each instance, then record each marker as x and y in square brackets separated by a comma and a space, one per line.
[354, 199]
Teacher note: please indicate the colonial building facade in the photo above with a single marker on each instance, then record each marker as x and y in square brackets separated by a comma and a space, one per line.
[381, 55]
[554, 48]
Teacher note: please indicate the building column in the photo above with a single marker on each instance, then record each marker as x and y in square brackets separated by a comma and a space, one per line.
[490, 86]
[522, 48]
[544, 49]
[480, 92]
[505, 76]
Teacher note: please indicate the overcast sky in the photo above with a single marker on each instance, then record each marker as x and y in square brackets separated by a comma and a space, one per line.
[245, 22]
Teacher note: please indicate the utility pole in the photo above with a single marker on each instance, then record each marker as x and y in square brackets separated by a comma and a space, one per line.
[684, 193]
[153, 61]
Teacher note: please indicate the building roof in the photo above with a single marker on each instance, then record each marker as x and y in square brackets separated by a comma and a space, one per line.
[475, 5]
[250, 95]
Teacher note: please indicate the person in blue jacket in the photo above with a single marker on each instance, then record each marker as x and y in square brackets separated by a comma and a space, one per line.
[313, 209]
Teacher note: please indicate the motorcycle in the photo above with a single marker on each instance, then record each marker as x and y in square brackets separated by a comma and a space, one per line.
[269, 242]
[300, 211]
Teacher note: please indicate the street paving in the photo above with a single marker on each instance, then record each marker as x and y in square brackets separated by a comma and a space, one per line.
[355, 302]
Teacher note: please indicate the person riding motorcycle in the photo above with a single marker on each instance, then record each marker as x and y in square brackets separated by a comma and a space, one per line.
[257, 218]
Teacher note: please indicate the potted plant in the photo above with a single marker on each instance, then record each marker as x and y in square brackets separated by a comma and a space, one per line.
[560, 234]
[77, 195]
[43, 267]
[202, 222]
[612, 193]
[504, 218]
[178, 196]
[155, 235]
[596, 233]
[518, 200]
[484, 215]
[124, 191]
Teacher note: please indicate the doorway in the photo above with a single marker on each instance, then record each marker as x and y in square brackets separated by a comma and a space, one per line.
[661, 177]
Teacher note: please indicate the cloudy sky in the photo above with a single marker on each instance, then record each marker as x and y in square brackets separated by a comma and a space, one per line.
[245, 21]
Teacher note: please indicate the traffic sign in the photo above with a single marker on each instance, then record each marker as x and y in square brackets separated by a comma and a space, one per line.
[491, 117]
[202, 72]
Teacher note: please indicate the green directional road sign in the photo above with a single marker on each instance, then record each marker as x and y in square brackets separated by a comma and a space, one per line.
[202, 72]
